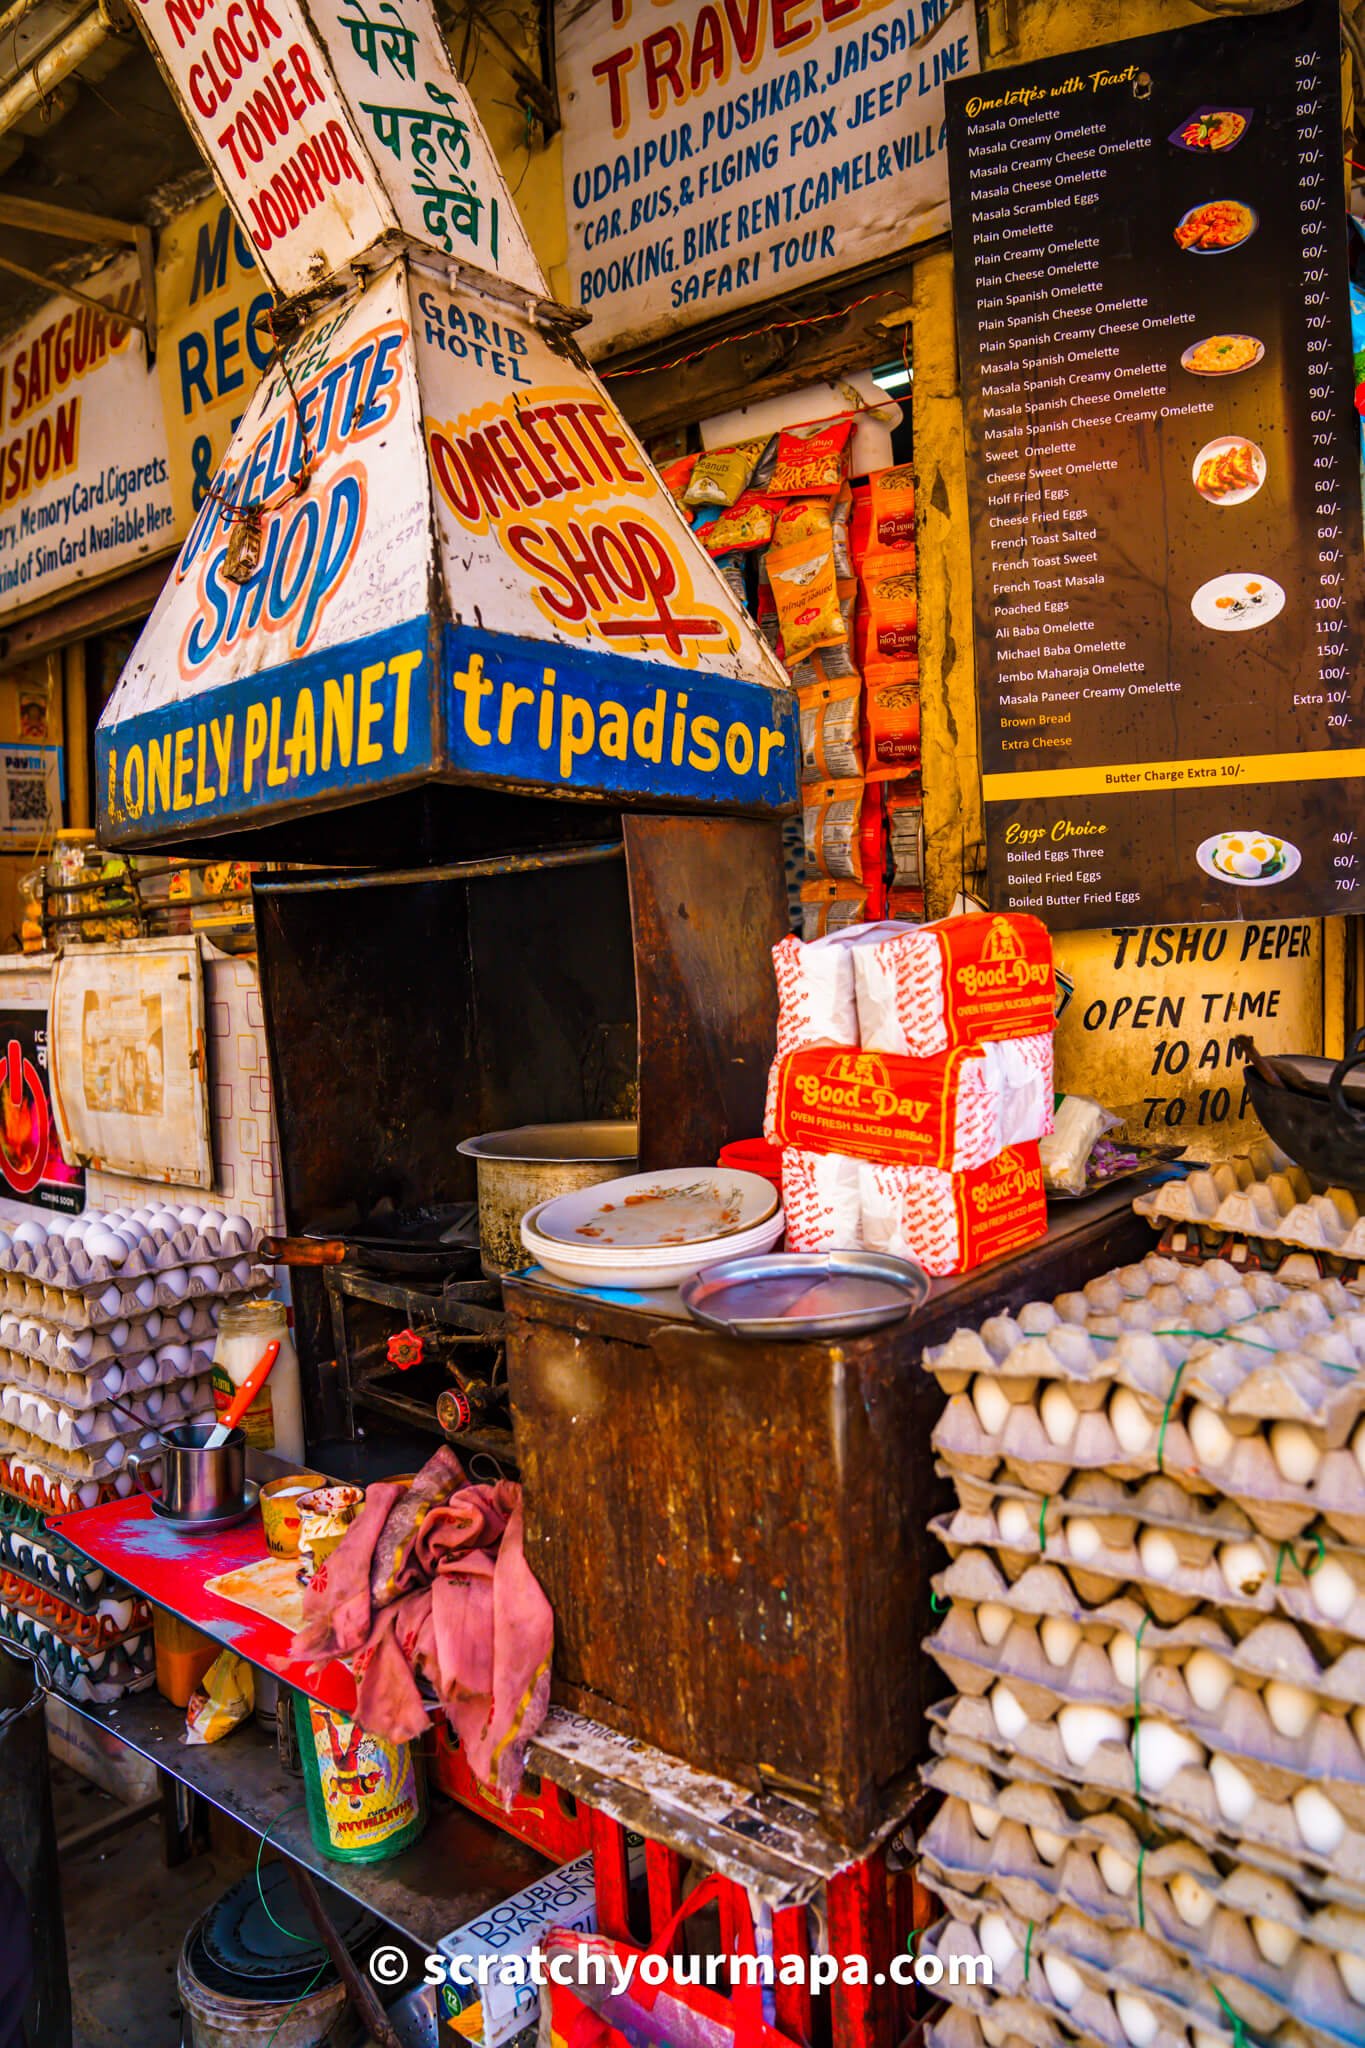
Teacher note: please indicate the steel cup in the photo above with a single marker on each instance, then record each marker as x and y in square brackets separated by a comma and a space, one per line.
[196, 1484]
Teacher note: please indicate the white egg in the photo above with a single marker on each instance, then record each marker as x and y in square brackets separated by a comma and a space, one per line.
[238, 1228]
[1131, 1423]
[119, 1333]
[1318, 1821]
[1234, 1791]
[1083, 1729]
[1137, 2019]
[146, 1371]
[1083, 1538]
[240, 1274]
[31, 1234]
[1160, 1558]
[1010, 1718]
[106, 1244]
[1064, 1980]
[1276, 1942]
[111, 1301]
[991, 1403]
[1118, 1873]
[1161, 1752]
[1296, 1456]
[184, 1317]
[1059, 1413]
[207, 1276]
[984, 1819]
[1018, 1526]
[1333, 1590]
[142, 1215]
[59, 1226]
[1129, 1663]
[1352, 1970]
[176, 1356]
[212, 1219]
[1193, 1901]
[1245, 864]
[1050, 1847]
[997, 1942]
[1208, 1678]
[1060, 1635]
[1358, 1445]
[1210, 1435]
[1243, 1567]
[1291, 1708]
[994, 1622]
[175, 1283]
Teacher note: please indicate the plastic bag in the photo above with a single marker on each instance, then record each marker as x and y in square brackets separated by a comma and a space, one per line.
[226, 1698]
[829, 730]
[746, 524]
[811, 461]
[722, 473]
[832, 812]
[676, 476]
[806, 591]
[1078, 1126]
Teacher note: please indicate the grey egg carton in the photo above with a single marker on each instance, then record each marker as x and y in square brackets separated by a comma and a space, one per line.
[1187, 1904]
[92, 1429]
[77, 1351]
[1021, 1999]
[1022, 1449]
[1262, 1195]
[1111, 1964]
[955, 2027]
[1268, 1835]
[165, 1292]
[70, 1268]
[1055, 1815]
[102, 1461]
[45, 1561]
[113, 1379]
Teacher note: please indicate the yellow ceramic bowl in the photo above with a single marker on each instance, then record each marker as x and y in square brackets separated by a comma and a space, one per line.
[280, 1510]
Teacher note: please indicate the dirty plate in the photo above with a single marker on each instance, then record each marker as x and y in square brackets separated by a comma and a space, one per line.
[651, 1267]
[682, 1206]
[806, 1294]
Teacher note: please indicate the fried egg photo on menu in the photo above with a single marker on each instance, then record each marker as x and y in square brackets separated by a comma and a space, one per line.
[1229, 470]
[1237, 602]
[1222, 355]
[1250, 860]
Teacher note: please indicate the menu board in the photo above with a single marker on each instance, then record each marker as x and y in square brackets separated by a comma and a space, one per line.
[1164, 475]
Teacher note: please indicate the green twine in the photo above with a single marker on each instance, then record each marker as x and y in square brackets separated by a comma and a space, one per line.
[1028, 1951]
[1141, 1902]
[936, 1603]
[1137, 1721]
[1287, 1550]
[1166, 1416]
[1042, 1529]
[306, 1939]
[1238, 2025]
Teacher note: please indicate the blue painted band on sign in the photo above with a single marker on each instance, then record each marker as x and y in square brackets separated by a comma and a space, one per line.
[590, 723]
[331, 723]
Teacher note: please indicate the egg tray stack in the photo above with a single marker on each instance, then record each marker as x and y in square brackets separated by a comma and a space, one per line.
[1153, 1766]
[107, 1329]
[1259, 1210]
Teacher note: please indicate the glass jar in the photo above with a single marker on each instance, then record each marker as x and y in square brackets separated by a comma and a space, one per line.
[274, 1421]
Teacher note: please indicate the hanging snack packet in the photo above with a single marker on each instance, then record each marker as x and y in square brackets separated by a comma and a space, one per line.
[722, 473]
[830, 907]
[891, 510]
[906, 905]
[905, 828]
[811, 461]
[835, 662]
[832, 813]
[804, 517]
[748, 523]
[830, 746]
[675, 476]
[806, 592]
[733, 568]
[892, 716]
[888, 619]
[769, 625]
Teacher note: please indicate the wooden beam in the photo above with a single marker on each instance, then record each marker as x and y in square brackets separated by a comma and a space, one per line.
[69, 291]
[42, 218]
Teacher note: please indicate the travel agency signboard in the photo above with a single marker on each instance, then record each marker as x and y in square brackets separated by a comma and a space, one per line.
[718, 153]
[433, 550]
[84, 467]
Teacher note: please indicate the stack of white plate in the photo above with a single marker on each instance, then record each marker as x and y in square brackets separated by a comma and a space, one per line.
[653, 1229]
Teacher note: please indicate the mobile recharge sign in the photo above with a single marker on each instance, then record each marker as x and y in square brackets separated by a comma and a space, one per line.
[328, 134]
[1155, 1026]
[487, 582]
[720, 152]
[84, 478]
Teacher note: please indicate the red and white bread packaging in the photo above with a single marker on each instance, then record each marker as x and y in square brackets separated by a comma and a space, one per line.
[913, 1080]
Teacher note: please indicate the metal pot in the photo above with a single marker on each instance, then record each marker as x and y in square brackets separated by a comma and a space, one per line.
[519, 1168]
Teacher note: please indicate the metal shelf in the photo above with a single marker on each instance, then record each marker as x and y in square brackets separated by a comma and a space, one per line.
[461, 1868]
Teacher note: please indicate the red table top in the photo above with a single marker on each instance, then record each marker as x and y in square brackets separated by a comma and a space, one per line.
[168, 1563]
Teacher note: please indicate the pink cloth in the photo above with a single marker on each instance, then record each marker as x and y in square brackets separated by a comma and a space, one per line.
[470, 1620]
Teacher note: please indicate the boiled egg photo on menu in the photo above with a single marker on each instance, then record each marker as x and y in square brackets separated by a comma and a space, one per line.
[1251, 860]
[1237, 602]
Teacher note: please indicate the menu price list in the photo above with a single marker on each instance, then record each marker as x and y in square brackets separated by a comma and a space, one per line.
[1163, 470]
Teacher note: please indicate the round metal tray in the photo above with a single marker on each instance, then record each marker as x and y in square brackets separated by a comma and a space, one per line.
[207, 1525]
[805, 1294]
